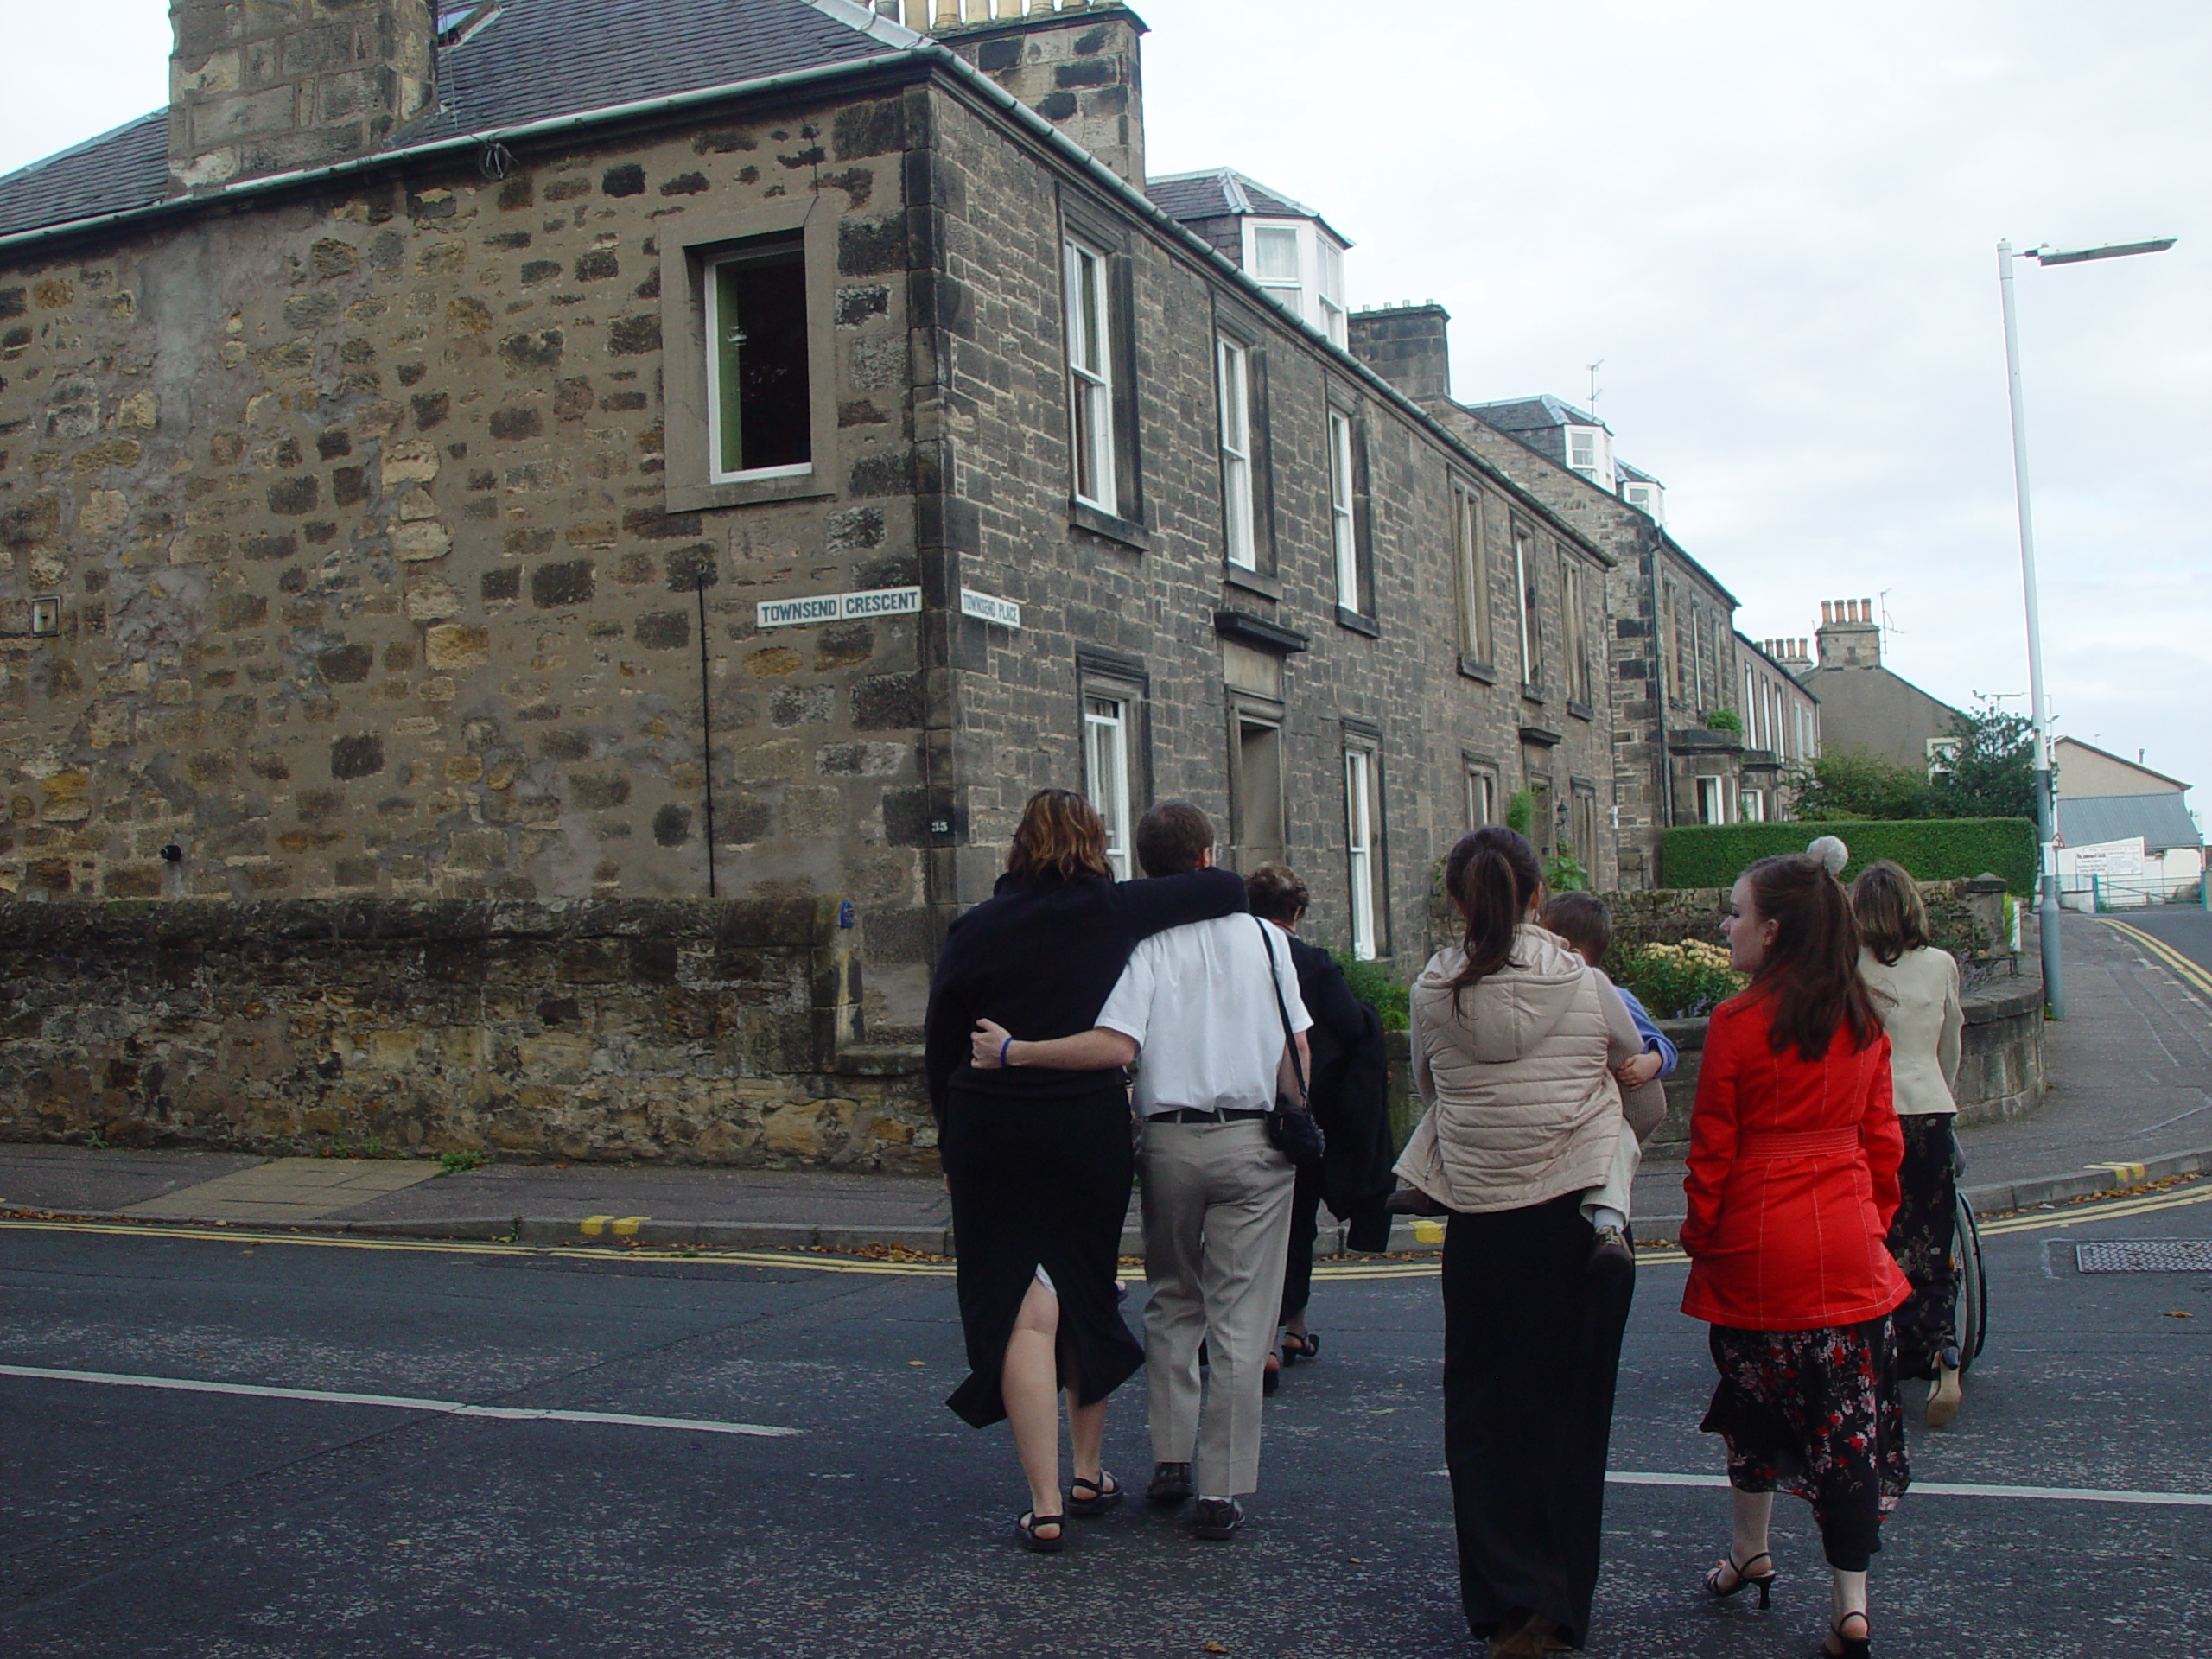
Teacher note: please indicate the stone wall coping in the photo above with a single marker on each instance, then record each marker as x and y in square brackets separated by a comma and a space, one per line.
[218, 925]
[1986, 1004]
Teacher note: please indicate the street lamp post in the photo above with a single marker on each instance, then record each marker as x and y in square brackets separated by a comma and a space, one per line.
[2054, 981]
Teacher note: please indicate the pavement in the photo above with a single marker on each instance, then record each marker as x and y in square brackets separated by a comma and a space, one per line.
[2128, 1102]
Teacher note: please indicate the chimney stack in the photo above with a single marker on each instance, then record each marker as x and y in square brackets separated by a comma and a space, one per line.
[1849, 637]
[1075, 63]
[275, 86]
[1409, 346]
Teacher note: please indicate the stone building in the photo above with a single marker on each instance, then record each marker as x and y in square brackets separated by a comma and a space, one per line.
[444, 466]
[1782, 727]
[1864, 705]
[1670, 653]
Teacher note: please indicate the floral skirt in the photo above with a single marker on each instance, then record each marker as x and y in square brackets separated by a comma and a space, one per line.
[1816, 1412]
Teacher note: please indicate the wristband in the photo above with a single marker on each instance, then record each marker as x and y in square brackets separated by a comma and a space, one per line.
[1002, 1049]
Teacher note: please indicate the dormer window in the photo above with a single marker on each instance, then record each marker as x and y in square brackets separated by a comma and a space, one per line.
[1646, 497]
[1302, 267]
[1591, 453]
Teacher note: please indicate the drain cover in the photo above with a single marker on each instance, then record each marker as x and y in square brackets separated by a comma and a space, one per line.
[2145, 1255]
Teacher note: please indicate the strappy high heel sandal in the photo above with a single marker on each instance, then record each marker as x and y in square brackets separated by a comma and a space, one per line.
[1026, 1524]
[1295, 1348]
[1093, 1497]
[1763, 1581]
[1854, 1647]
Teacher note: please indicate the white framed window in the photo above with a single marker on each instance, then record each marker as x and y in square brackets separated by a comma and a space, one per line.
[1329, 287]
[1524, 583]
[1754, 805]
[1233, 374]
[1302, 266]
[1473, 560]
[760, 422]
[1106, 773]
[1359, 844]
[1482, 797]
[1344, 538]
[1712, 801]
[1091, 376]
[1577, 641]
[1277, 266]
[1589, 454]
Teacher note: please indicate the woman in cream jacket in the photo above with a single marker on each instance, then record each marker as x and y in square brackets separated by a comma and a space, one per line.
[1916, 990]
[1514, 1039]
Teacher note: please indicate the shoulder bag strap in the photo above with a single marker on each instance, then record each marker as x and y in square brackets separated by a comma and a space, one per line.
[1275, 982]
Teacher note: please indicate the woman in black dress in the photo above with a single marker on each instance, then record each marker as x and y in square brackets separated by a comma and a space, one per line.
[1039, 1161]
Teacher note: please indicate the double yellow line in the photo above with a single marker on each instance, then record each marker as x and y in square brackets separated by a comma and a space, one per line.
[2188, 972]
[1384, 1268]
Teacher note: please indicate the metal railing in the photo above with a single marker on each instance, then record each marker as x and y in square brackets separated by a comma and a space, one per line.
[924, 16]
[2100, 895]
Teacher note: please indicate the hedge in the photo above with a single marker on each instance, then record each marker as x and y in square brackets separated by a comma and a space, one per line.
[1931, 850]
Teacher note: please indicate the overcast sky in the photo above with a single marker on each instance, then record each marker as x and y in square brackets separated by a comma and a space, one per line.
[1776, 226]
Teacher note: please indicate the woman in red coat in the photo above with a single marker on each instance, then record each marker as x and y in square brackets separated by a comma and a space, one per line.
[1792, 1182]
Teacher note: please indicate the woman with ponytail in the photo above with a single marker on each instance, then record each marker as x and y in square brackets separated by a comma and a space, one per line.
[1514, 1039]
[1792, 1184]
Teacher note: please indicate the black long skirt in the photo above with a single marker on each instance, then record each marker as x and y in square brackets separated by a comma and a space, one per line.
[1920, 1239]
[1532, 1342]
[1038, 1184]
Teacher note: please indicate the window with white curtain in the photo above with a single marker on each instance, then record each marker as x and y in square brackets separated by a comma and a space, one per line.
[1343, 529]
[1233, 374]
[1473, 560]
[1524, 583]
[1091, 376]
[1106, 773]
[1359, 843]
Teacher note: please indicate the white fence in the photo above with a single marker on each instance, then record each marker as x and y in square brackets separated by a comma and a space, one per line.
[923, 15]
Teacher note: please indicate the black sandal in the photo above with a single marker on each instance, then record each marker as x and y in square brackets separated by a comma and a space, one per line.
[1104, 1493]
[1026, 1525]
[1297, 1348]
[1762, 1582]
[1853, 1647]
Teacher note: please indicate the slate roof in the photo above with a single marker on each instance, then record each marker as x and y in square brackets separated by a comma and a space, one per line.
[2163, 820]
[535, 61]
[1528, 414]
[1220, 192]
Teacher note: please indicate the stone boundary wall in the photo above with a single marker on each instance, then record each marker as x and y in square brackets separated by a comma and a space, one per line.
[584, 1030]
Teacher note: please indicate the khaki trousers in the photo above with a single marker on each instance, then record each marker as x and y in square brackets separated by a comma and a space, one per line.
[1216, 1224]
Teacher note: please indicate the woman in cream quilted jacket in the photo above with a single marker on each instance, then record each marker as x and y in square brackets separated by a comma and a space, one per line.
[1515, 1042]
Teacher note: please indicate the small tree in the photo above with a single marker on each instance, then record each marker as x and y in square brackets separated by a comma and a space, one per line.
[1989, 772]
[1852, 784]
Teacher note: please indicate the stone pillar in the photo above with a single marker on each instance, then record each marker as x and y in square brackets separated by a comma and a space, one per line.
[1079, 67]
[263, 86]
[1407, 346]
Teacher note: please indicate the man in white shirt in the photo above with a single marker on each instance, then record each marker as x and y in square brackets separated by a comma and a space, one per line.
[1199, 1002]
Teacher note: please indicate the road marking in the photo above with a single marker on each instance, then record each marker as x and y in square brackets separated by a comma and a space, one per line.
[592, 1226]
[2029, 1221]
[1951, 1489]
[399, 1403]
[2190, 972]
[2104, 1209]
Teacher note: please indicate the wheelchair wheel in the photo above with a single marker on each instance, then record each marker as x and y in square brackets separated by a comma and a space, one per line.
[1973, 1285]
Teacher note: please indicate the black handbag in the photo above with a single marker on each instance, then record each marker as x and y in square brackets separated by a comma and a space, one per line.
[1290, 1126]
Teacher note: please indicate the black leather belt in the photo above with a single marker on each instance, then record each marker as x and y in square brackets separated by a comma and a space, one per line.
[1191, 1114]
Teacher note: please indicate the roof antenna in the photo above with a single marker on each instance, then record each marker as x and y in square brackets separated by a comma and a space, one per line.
[1888, 626]
[1596, 390]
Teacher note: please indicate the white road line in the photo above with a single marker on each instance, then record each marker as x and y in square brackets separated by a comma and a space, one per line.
[399, 1403]
[1950, 1489]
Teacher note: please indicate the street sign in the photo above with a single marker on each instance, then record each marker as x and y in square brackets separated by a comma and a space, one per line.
[837, 607]
[1003, 611]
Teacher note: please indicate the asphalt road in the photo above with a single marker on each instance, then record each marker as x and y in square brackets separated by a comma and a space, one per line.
[156, 1522]
[2189, 932]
